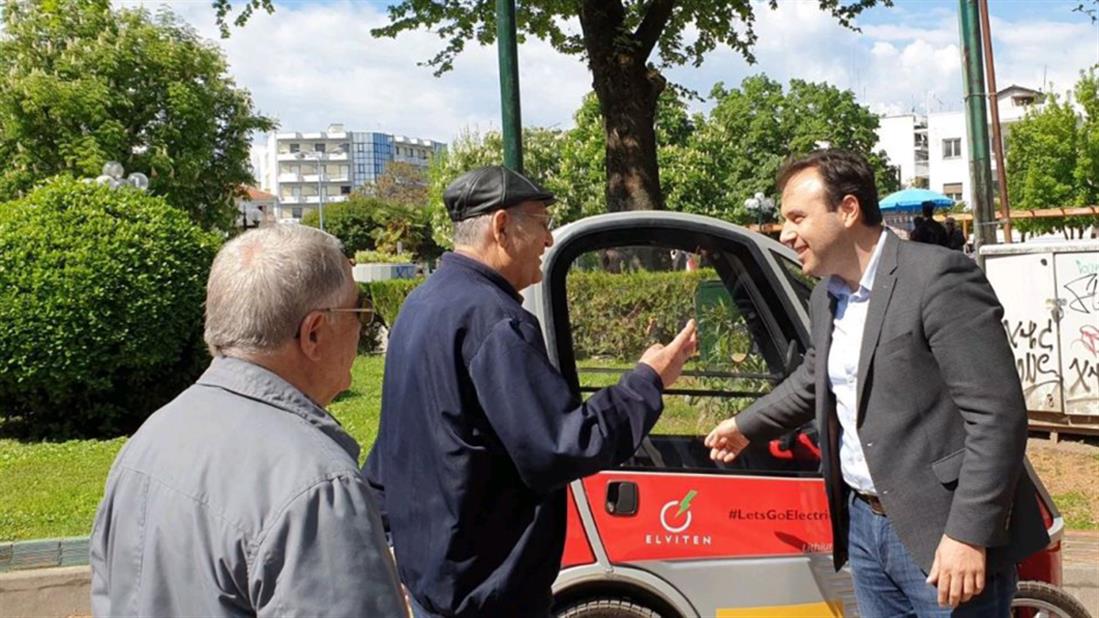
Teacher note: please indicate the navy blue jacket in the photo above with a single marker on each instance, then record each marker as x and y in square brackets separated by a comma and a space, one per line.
[479, 437]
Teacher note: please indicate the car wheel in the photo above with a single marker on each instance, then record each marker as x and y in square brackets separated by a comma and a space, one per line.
[607, 608]
[1041, 600]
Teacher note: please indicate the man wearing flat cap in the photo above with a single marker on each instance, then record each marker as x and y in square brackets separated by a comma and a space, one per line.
[479, 433]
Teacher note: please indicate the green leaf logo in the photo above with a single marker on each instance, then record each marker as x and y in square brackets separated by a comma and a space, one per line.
[685, 503]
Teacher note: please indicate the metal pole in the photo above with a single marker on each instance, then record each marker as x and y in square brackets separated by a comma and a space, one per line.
[509, 84]
[994, 110]
[980, 170]
[320, 189]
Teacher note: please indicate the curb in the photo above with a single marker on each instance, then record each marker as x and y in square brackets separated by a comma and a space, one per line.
[62, 592]
[44, 553]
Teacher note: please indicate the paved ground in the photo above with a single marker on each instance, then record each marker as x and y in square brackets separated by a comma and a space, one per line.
[1081, 568]
[63, 591]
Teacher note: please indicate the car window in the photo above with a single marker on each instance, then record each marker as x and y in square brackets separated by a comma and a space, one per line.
[622, 299]
[802, 283]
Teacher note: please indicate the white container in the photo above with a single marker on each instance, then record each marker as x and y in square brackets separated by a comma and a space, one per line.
[364, 273]
[1050, 294]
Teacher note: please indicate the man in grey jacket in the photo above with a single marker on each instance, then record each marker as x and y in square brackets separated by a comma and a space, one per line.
[913, 386]
[243, 495]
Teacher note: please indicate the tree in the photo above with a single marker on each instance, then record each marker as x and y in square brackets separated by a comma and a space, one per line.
[84, 84]
[617, 39]
[737, 150]
[367, 223]
[1053, 158]
[400, 183]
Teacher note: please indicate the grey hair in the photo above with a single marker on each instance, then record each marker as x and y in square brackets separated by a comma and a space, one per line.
[265, 281]
[471, 232]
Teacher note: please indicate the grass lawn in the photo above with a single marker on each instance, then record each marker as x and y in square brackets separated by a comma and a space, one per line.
[51, 490]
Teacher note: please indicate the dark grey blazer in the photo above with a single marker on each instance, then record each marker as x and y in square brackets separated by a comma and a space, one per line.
[941, 414]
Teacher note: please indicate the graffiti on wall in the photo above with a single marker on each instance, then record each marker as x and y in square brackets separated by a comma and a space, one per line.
[1080, 328]
[1034, 345]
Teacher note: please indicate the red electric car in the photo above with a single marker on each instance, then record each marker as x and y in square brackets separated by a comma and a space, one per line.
[670, 533]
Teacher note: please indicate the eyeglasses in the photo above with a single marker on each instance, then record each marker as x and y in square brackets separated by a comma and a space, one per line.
[546, 220]
[363, 308]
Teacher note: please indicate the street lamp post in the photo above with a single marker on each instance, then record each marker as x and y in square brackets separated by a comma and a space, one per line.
[761, 206]
[318, 157]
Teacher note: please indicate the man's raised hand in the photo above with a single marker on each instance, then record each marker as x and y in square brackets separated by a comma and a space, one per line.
[667, 360]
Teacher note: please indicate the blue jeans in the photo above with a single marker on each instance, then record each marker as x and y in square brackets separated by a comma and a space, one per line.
[888, 583]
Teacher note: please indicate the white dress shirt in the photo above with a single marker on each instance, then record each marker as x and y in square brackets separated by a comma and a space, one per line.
[843, 368]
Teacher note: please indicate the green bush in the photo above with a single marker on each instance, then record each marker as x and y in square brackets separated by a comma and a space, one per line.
[388, 296]
[380, 257]
[101, 297]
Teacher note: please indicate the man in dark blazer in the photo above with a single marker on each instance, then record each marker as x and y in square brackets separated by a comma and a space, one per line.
[913, 385]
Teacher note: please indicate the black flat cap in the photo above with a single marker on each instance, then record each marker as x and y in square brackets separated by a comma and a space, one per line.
[486, 189]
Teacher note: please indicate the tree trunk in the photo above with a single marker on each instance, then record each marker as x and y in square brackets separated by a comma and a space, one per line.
[628, 99]
[627, 89]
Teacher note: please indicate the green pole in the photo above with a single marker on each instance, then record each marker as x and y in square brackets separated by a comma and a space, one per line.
[509, 84]
[976, 120]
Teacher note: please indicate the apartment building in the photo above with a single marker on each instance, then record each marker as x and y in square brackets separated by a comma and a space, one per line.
[941, 140]
[305, 170]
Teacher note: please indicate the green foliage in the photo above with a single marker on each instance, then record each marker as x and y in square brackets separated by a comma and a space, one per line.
[366, 223]
[620, 315]
[84, 84]
[400, 183]
[738, 148]
[381, 257]
[101, 298]
[387, 296]
[1053, 158]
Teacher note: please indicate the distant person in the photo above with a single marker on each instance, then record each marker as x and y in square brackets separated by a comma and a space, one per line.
[243, 496]
[954, 238]
[933, 232]
[919, 232]
[480, 434]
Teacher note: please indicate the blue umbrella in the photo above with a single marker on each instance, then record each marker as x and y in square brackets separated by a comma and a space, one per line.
[911, 200]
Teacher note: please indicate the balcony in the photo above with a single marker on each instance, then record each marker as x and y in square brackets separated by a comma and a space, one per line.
[312, 155]
[328, 199]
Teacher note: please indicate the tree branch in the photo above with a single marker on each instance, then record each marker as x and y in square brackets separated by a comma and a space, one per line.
[651, 27]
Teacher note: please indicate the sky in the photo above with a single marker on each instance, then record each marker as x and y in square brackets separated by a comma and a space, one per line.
[315, 63]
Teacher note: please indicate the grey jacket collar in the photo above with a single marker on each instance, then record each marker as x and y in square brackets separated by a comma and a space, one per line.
[254, 382]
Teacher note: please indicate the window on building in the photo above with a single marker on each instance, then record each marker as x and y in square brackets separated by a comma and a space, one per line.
[296, 212]
[295, 148]
[345, 189]
[318, 147]
[952, 148]
[953, 190]
[343, 148]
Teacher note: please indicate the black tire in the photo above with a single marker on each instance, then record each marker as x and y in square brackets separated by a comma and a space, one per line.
[1049, 599]
[606, 607]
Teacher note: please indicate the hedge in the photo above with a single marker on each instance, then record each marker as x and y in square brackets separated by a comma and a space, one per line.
[101, 295]
[618, 316]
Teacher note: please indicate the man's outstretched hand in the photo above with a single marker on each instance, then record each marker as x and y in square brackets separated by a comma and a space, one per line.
[725, 441]
[667, 360]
